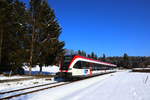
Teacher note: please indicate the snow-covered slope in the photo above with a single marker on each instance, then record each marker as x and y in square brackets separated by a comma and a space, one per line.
[117, 86]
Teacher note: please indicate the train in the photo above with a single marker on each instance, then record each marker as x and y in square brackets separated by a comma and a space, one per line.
[76, 67]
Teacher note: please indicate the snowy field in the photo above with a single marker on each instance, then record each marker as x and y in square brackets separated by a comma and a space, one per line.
[49, 70]
[2, 77]
[123, 85]
[23, 84]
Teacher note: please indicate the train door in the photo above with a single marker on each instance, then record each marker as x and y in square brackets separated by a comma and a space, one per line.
[90, 69]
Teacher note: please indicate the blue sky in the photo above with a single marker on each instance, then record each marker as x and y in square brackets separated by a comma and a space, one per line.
[112, 27]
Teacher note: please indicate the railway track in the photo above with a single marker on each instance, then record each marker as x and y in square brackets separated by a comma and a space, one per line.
[22, 79]
[24, 91]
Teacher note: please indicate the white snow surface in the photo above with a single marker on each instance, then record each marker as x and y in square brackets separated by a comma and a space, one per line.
[28, 90]
[123, 85]
[2, 77]
[22, 84]
[6, 86]
[45, 70]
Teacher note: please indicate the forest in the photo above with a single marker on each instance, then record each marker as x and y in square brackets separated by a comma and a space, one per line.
[28, 35]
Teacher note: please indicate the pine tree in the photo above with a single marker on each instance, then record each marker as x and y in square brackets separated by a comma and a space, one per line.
[12, 28]
[33, 25]
[79, 52]
[104, 57]
[29, 36]
[45, 31]
[126, 60]
[83, 53]
[3, 5]
[92, 55]
[19, 30]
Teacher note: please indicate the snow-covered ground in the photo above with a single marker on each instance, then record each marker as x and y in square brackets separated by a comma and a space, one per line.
[45, 70]
[19, 84]
[31, 89]
[23, 84]
[2, 77]
[123, 85]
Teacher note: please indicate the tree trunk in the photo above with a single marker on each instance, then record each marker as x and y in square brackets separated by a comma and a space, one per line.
[40, 69]
[30, 69]
[1, 42]
[32, 46]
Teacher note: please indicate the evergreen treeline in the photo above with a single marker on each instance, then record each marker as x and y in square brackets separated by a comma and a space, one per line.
[28, 35]
[124, 61]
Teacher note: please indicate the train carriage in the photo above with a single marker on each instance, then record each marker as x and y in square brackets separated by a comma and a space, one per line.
[75, 66]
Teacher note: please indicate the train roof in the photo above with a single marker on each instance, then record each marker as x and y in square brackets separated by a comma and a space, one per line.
[81, 58]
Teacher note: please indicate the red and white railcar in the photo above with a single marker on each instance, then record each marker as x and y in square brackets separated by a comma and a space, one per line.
[79, 66]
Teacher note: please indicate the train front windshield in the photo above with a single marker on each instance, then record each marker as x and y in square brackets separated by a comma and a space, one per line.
[66, 62]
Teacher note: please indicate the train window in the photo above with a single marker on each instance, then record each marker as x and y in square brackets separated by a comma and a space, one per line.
[78, 65]
[87, 65]
[65, 66]
[81, 65]
[66, 62]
